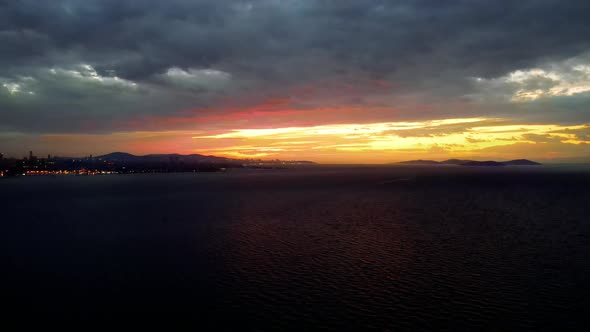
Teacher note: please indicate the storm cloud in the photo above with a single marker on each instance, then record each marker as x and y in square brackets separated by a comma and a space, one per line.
[69, 66]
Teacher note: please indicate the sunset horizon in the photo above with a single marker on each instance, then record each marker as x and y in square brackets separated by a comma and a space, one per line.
[333, 83]
[340, 143]
[296, 165]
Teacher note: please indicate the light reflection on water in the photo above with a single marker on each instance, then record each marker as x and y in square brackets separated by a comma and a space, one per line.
[331, 247]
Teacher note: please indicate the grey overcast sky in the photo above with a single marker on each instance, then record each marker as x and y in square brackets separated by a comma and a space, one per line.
[331, 80]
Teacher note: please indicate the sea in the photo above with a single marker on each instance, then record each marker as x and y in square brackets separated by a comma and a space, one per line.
[335, 248]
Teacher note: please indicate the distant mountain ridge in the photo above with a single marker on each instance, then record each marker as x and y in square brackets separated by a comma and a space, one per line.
[459, 162]
[127, 157]
[189, 158]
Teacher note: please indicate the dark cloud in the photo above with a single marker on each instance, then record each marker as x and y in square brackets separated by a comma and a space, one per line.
[582, 134]
[427, 50]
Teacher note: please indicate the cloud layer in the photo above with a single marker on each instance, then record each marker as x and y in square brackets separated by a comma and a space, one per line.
[101, 67]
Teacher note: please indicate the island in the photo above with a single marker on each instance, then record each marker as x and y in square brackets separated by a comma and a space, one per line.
[459, 162]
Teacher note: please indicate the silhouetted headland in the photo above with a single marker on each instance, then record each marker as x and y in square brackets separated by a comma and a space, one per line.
[459, 162]
[122, 162]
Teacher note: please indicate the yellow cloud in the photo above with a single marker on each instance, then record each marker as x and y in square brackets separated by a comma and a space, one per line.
[384, 141]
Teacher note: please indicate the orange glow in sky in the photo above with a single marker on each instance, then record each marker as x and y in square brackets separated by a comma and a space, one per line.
[378, 142]
[394, 141]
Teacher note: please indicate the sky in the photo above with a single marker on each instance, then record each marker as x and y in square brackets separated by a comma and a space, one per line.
[331, 81]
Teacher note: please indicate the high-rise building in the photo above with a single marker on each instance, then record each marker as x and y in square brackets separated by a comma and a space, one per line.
[1, 156]
[30, 155]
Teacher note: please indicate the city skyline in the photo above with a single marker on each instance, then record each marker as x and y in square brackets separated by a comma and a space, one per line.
[126, 157]
[325, 81]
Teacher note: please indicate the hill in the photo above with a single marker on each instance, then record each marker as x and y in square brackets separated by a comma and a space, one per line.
[192, 158]
[420, 162]
[522, 162]
[127, 158]
[459, 162]
[484, 163]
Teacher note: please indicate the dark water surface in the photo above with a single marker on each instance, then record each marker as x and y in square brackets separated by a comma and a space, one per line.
[336, 248]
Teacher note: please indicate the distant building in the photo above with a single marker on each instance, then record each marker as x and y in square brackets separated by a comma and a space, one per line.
[1, 156]
[32, 158]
